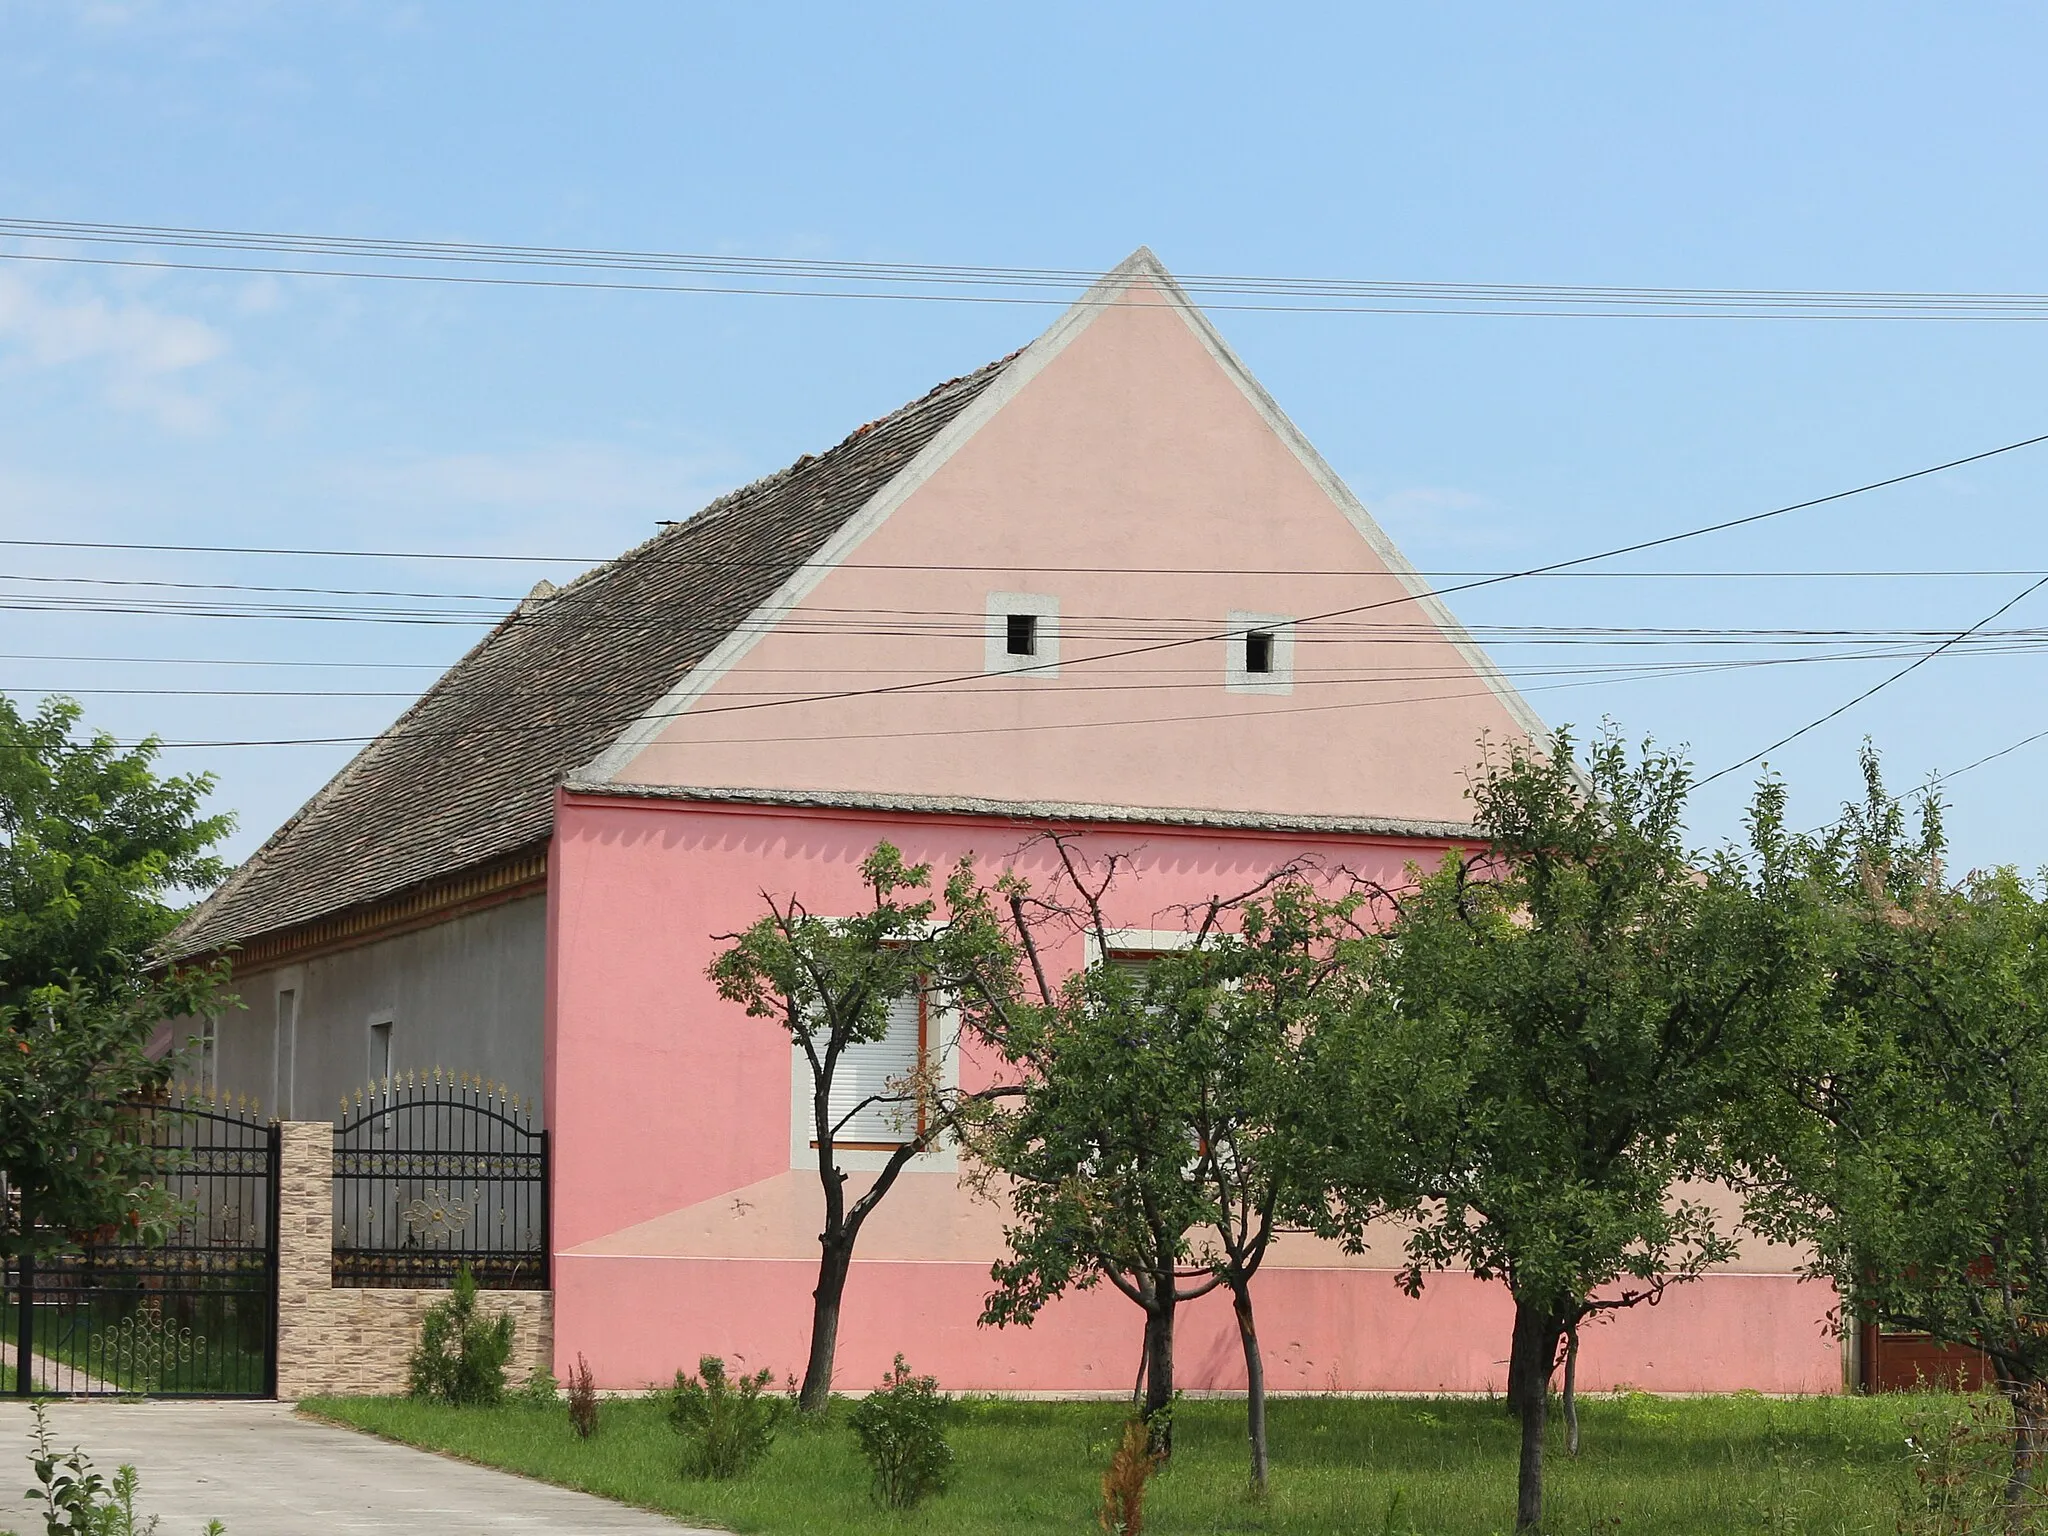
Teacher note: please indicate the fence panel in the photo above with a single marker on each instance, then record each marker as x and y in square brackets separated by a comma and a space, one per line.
[194, 1316]
[436, 1170]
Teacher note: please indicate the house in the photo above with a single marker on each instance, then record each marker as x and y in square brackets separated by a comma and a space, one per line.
[1102, 585]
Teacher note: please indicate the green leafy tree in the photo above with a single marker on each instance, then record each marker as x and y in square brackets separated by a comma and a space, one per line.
[1911, 1141]
[829, 982]
[1573, 1005]
[1155, 1138]
[96, 851]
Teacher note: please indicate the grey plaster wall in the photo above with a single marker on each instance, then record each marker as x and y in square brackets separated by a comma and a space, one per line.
[465, 995]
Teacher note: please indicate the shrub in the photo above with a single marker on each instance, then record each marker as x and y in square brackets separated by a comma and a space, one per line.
[460, 1358]
[1123, 1485]
[901, 1432]
[726, 1423]
[582, 1399]
[541, 1389]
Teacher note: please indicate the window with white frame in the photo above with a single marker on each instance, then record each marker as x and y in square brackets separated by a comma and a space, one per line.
[880, 1070]
[1259, 653]
[1022, 634]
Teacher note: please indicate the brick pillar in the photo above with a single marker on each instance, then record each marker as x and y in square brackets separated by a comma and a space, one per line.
[305, 1254]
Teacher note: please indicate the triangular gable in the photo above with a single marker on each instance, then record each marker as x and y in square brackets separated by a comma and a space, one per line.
[658, 747]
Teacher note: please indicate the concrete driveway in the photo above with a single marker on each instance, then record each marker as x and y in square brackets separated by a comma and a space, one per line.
[264, 1472]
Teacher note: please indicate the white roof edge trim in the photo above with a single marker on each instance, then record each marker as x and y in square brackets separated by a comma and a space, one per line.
[1333, 486]
[1027, 810]
[708, 673]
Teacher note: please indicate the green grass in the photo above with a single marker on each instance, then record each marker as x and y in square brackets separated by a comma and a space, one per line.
[1649, 1466]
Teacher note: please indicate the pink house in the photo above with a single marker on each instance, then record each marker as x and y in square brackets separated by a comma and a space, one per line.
[1101, 585]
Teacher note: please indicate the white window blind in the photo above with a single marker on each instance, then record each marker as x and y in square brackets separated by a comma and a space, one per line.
[870, 1068]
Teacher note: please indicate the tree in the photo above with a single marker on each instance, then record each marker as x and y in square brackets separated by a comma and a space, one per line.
[76, 1159]
[1573, 1006]
[1910, 1144]
[829, 982]
[1152, 1141]
[1245, 1012]
[95, 850]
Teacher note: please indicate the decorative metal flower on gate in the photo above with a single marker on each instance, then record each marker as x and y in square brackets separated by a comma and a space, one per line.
[437, 1213]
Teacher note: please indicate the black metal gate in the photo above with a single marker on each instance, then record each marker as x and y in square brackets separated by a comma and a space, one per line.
[195, 1316]
[435, 1171]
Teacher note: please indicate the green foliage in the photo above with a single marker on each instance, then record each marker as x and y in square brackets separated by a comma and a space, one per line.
[77, 1501]
[69, 1060]
[1022, 1468]
[94, 850]
[901, 1430]
[460, 1358]
[727, 1423]
[1549, 1036]
[540, 1389]
[830, 981]
[1959, 1455]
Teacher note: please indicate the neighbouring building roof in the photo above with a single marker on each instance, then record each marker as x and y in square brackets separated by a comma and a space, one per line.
[468, 773]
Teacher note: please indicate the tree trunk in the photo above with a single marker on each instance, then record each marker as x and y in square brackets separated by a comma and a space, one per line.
[1254, 1384]
[1531, 1359]
[2021, 1498]
[1159, 1372]
[832, 1266]
[1571, 1389]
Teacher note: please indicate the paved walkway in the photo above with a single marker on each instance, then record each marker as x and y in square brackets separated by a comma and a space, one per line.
[264, 1472]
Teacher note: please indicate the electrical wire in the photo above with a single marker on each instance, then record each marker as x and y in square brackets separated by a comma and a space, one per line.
[1879, 687]
[957, 283]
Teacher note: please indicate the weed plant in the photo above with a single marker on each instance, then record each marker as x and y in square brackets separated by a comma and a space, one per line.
[582, 1399]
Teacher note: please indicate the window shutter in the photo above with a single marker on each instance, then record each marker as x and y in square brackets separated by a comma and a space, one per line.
[870, 1068]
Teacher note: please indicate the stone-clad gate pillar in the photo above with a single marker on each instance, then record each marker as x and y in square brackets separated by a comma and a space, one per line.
[354, 1340]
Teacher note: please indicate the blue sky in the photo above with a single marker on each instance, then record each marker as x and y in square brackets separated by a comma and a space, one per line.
[1801, 146]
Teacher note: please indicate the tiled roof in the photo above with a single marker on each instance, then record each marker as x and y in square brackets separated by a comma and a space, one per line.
[468, 773]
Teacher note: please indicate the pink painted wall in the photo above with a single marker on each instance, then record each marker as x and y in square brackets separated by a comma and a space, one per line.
[1133, 449]
[681, 1228]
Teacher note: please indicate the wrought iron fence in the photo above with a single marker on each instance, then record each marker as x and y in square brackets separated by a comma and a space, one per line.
[434, 1170]
[194, 1315]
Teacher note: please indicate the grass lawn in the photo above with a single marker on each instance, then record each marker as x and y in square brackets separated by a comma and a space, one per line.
[1649, 1466]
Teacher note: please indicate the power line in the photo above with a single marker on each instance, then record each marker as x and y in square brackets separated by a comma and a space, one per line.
[957, 283]
[1620, 671]
[1879, 687]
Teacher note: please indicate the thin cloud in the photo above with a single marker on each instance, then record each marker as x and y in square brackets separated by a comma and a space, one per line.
[143, 354]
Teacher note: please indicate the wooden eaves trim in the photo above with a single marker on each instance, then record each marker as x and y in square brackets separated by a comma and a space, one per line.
[520, 874]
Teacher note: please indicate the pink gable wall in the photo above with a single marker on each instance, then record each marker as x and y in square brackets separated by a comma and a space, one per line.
[1134, 448]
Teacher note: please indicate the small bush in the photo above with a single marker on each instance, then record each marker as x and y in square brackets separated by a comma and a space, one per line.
[901, 1432]
[582, 1399]
[726, 1423]
[541, 1389]
[1123, 1484]
[460, 1358]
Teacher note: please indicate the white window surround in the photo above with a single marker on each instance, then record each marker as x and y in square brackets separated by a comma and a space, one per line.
[942, 1045]
[284, 1051]
[1150, 941]
[1044, 661]
[381, 1029]
[1279, 677]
